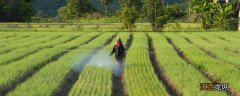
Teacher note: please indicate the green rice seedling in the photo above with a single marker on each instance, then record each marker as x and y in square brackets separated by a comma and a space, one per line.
[11, 72]
[139, 76]
[100, 68]
[51, 76]
[219, 71]
[21, 52]
[185, 77]
[215, 49]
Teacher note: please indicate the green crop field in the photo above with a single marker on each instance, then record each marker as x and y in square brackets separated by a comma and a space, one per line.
[78, 63]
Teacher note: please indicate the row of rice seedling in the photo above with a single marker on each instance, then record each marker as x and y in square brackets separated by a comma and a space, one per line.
[48, 79]
[139, 76]
[23, 43]
[97, 75]
[11, 72]
[231, 36]
[23, 40]
[228, 45]
[7, 35]
[15, 72]
[231, 42]
[79, 40]
[185, 76]
[32, 40]
[22, 52]
[12, 35]
[2, 40]
[219, 41]
[19, 39]
[215, 49]
[216, 70]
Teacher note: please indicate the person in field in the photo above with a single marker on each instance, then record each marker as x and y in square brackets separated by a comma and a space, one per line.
[120, 55]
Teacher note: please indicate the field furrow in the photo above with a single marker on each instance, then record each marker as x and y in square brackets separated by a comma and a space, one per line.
[9, 40]
[224, 44]
[139, 76]
[8, 35]
[20, 71]
[230, 37]
[215, 51]
[72, 77]
[184, 77]
[160, 72]
[78, 63]
[23, 52]
[118, 86]
[100, 67]
[58, 70]
[21, 43]
[213, 69]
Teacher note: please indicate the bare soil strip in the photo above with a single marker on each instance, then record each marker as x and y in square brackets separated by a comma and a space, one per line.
[16, 39]
[211, 54]
[30, 73]
[205, 73]
[222, 38]
[160, 72]
[118, 88]
[233, 51]
[35, 51]
[204, 38]
[73, 76]
[9, 50]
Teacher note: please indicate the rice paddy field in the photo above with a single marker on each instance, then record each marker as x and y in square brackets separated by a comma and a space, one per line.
[157, 64]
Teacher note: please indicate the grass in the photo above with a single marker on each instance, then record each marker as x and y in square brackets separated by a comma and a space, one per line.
[56, 71]
[139, 74]
[92, 27]
[219, 70]
[100, 81]
[182, 71]
[41, 63]
[216, 49]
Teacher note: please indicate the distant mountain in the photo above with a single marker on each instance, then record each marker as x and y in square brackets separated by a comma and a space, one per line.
[50, 7]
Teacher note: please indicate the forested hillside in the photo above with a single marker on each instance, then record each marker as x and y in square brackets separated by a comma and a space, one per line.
[50, 7]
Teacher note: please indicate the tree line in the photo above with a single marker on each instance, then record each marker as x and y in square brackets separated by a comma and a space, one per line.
[157, 12]
[15, 10]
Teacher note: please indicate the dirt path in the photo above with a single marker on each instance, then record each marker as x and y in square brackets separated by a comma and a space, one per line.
[160, 72]
[118, 82]
[73, 76]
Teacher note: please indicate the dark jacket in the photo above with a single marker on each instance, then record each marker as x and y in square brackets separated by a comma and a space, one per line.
[119, 51]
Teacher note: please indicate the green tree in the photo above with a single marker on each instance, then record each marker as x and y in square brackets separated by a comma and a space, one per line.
[156, 13]
[205, 12]
[62, 13]
[16, 10]
[222, 14]
[214, 15]
[175, 11]
[129, 13]
[106, 3]
[128, 17]
[77, 8]
[3, 9]
[73, 8]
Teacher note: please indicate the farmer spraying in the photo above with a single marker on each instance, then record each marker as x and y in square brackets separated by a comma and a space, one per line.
[120, 55]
